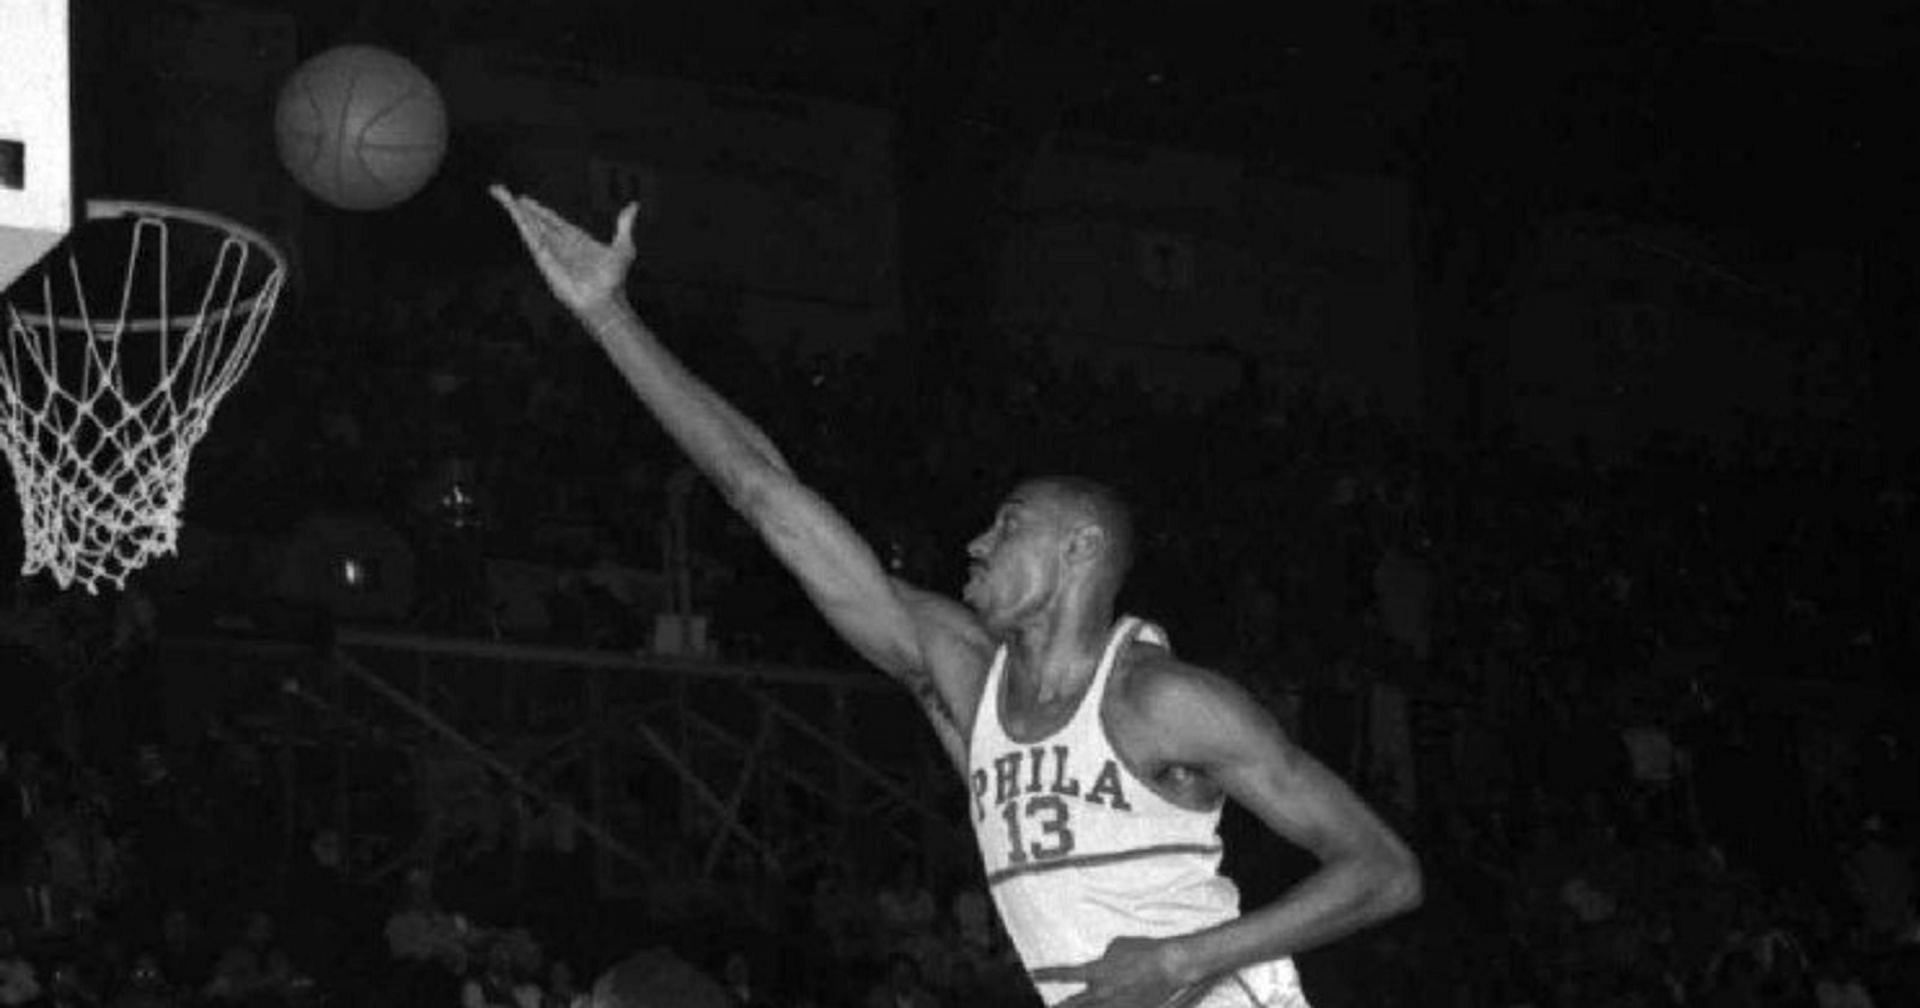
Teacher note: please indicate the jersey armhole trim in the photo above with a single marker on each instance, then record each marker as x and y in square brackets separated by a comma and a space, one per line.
[1216, 804]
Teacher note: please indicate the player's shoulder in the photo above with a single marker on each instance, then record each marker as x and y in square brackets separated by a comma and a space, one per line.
[948, 631]
[1158, 685]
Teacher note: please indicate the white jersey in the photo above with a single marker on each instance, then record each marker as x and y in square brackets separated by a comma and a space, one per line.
[1079, 850]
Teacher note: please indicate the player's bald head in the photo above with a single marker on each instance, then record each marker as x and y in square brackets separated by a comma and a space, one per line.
[1090, 506]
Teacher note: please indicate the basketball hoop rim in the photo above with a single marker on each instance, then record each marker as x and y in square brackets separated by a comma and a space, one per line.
[113, 209]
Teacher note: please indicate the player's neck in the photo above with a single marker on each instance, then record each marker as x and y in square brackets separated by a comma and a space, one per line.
[1055, 655]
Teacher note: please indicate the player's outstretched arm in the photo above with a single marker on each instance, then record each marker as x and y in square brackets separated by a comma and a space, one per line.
[1366, 874]
[930, 644]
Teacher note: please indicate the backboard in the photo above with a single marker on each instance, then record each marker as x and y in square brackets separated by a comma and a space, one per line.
[36, 132]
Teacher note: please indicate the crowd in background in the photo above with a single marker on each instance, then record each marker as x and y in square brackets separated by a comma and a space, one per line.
[1635, 714]
[186, 885]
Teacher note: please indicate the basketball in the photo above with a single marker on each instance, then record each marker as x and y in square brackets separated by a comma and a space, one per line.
[361, 127]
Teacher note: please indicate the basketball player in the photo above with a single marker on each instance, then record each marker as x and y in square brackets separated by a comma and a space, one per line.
[1096, 761]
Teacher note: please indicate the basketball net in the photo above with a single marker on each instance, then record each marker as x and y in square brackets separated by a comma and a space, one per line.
[109, 380]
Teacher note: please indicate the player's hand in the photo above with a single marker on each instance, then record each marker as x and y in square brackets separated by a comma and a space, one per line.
[1132, 973]
[585, 274]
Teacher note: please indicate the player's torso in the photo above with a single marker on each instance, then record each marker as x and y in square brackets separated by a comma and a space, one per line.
[1140, 747]
[1081, 843]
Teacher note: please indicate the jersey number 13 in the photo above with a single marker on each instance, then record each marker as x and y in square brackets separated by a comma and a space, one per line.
[1046, 818]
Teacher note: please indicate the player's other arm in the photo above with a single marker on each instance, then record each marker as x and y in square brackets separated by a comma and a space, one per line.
[1366, 872]
[927, 643]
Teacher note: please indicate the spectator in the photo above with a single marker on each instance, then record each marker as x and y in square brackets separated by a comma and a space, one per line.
[973, 922]
[78, 859]
[1735, 980]
[967, 986]
[837, 916]
[562, 991]
[501, 984]
[19, 982]
[71, 988]
[907, 910]
[184, 958]
[16, 812]
[429, 944]
[1880, 878]
[155, 810]
[736, 974]
[901, 986]
[419, 931]
[146, 986]
[1840, 987]
[656, 977]
[254, 970]
[326, 907]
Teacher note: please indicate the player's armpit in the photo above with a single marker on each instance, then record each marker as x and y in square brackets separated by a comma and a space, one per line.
[946, 727]
[956, 650]
[930, 644]
[1217, 727]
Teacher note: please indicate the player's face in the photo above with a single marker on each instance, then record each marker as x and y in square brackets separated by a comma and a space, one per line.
[1016, 564]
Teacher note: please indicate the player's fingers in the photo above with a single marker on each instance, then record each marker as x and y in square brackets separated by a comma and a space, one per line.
[1187, 996]
[551, 222]
[529, 227]
[521, 224]
[623, 229]
[538, 219]
[552, 234]
[520, 208]
[1082, 973]
[506, 200]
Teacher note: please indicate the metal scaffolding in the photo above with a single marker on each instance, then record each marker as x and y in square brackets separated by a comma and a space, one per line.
[672, 768]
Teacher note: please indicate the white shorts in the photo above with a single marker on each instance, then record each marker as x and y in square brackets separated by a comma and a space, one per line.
[1271, 984]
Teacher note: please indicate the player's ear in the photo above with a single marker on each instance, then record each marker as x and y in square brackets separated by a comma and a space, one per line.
[1086, 544]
